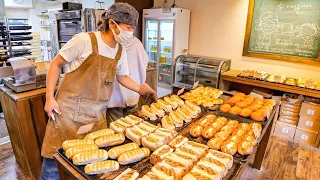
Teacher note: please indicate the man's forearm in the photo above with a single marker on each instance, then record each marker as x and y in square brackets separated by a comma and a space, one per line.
[128, 83]
[52, 79]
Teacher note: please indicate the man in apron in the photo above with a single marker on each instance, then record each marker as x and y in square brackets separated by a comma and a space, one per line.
[93, 61]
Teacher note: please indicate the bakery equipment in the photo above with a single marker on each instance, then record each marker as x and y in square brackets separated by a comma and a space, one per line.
[188, 69]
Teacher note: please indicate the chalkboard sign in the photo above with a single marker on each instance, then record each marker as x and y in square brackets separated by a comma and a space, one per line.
[286, 30]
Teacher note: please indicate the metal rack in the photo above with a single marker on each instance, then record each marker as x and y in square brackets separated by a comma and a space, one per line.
[189, 69]
[5, 47]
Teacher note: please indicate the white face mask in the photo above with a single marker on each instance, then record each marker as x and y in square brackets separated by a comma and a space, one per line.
[124, 36]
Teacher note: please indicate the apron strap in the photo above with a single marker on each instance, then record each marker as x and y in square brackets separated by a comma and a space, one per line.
[118, 55]
[94, 43]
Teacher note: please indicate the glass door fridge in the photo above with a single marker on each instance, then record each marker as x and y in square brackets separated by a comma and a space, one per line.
[151, 43]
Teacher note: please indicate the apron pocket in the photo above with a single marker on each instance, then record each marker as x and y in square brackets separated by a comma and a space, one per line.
[89, 111]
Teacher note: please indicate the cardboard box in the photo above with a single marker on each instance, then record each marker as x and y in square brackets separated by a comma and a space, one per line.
[308, 137]
[311, 110]
[309, 124]
[286, 130]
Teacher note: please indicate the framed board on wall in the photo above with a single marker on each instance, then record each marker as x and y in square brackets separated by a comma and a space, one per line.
[287, 30]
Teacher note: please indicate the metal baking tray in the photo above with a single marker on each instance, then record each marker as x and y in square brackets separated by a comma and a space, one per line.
[20, 27]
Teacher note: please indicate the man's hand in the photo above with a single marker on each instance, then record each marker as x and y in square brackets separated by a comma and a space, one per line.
[51, 104]
[146, 89]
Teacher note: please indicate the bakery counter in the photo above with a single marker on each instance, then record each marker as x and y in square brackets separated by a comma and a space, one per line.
[230, 80]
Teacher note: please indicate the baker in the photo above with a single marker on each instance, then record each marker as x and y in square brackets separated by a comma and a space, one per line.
[92, 61]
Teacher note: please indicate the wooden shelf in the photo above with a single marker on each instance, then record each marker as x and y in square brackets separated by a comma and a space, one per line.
[232, 77]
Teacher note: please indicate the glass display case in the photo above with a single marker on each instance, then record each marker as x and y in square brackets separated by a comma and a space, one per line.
[189, 69]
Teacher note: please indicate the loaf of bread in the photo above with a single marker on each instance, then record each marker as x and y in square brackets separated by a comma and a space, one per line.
[76, 142]
[79, 149]
[110, 140]
[99, 133]
[101, 167]
[133, 156]
[115, 152]
[90, 157]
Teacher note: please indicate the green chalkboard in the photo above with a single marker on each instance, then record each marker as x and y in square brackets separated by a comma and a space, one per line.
[284, 28]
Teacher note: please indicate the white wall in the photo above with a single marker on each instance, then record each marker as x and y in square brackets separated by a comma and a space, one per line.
[91, 4]
[217, 29]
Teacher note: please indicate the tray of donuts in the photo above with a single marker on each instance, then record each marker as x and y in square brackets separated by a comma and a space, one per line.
[128, 143]
[249, 107]
[233, 137]
[171, 112]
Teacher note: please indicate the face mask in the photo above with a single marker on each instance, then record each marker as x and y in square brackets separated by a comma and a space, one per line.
[123, 37]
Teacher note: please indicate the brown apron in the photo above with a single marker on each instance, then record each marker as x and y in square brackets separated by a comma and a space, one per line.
[82, 96]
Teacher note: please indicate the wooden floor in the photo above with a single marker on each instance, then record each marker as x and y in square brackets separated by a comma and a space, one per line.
[284, 160]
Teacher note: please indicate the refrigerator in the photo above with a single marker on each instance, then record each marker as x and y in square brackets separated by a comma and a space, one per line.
[165, 36]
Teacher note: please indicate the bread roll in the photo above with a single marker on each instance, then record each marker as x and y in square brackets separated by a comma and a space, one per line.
[101, 167]
[250, 138]
[226, 159]
[235, 110]
[212, 166]
[198, 148]
[235, 138]
[196, 130]
[135, 134]
[229, 129]
[167, 123]
[90, 157]
[79, 149]
[270, 101]
[164, 105]
[244, 126]
[245, 148]
[153, 141]
[256, 128]
[183, 158]
[110, 140]
[96, 134]
[229, 147]
[128, 174]
[193, 106]
[133, 119]
[76, 142]
[196, 175]
[133, 156]
[225, 108]
[205, 122]
[184, 113]
[222, 135]
[187, 154]
[209, 170]
[164, 172]
[215, 143]
[159, 154]
[193, 112]
[157, 109]
[239, 94]
[177, 99]
[178, 168]
[119, 126]
[146, 110]
[173, 103]
[257, 116]
[151, 176]
[242, 104]
[208, 132]
[178, 141]
[245, 112]
[148, 126]
[115, 152]
[222, 120]
[239, 132]
[176, 118]
[233, 123]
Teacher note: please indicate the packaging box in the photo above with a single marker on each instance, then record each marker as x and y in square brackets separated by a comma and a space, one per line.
[309, 124]
[311, 110]
[284, 129]
[308, 137]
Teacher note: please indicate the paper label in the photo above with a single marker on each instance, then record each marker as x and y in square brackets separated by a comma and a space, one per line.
[195, 84]
[310, 112]
[304, 137]
[309, 123]
[85, 129]
[285, 130]
[180, 91]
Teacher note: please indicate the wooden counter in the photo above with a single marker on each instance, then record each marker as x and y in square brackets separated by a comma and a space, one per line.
[26, 122]
[231, 76]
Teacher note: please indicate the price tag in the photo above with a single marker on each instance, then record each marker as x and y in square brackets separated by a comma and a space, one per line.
[195, 84]
[85, 129]
[180, 91]
[285, 130]
[310, 112]
[309, 123]
[304, 137]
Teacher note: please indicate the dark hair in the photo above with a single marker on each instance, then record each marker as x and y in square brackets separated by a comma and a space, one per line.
[103, 25]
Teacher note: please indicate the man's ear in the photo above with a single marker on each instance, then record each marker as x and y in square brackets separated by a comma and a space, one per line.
[111, 24]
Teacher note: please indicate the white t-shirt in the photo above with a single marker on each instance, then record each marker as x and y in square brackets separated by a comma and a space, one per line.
[78, 49]
[138, 62]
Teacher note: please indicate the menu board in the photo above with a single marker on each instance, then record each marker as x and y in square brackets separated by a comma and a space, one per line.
[284, 29]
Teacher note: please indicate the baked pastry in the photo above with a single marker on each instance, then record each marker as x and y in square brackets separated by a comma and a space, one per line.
[110, 140]
[176, 118]
[151, 176]
[185, 114]
[79, 149]
[215, 143]
[96, 134]
[196, 147]
[245, 148]
[197, 174]
[229, 147]
[243, 104]
[133, 119]
[222, 120]
[179, 168]
[164, 105]
[193, 112]
[177, 99]
[250, 138]
[76, 142]
[228, 128]
[153, 141]
[215, 166]
[256, 128]
[239, 94]
[147, 111]
[244, 126]
[245, 112]
[157, 109]
[225, 108]
[217, 125]
[159, 154]
[224, 158]
[187, 159]
[257, 116]
[173, 103]
[115, 152]
[167, 123]
[235, 138]
[90, 157]
[222, 135]
[119, 126]
[178, 141]
[235, 110]
[187, 153]
[101, 167]
[301, 82]
[169, 134]
[205, 121]
[196, 130]
[128, 174]
[193, 106]
[233, 123]
[133, 156]
[163, 171]
[148, 126]
[208, 132]
[239, 132]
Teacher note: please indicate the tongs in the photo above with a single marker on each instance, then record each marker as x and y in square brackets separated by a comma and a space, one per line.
[54, 111]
